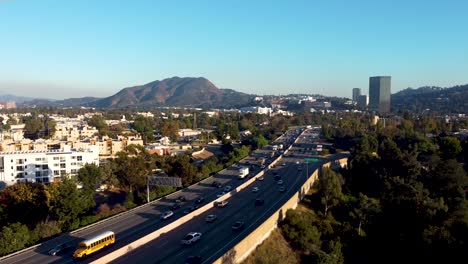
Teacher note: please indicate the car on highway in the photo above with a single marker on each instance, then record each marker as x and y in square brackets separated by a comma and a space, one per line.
[193, 260]
[59, 248]
[259, 202]
[227, 188]
[190, 209]
[216, 184]
[277, 178]
[280, 182]
[255, 189]
[238, 225]
[299, 168]
[165, 215]
[220, 194]
[191, 238]
[200, 200]
[221, 203]
[260, 178]
[282, 189]
[283, 164]
[180, 199]
[176, 206]
[211, 218]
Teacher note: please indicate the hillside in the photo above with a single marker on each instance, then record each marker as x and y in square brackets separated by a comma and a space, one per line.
[447, 100]
[176, 91]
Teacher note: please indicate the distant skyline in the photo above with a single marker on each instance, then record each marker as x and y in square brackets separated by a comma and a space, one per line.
[62, 49]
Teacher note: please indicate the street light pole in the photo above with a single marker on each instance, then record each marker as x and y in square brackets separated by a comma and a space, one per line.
[147, 189]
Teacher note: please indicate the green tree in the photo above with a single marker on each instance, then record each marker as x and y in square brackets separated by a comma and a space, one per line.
[67, 203]
[13, 237]
[32, 127]
[99, 123]
[144, 126]
[107, 174]
[450, 147]
[366, 209]
[298, 230]
[334, 255]
[27, 203]
[90, 176]
[170, 128]
[329, 189]
[131, 171]
[259, 142]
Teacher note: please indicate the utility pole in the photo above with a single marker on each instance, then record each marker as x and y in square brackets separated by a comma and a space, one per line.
[147, 189]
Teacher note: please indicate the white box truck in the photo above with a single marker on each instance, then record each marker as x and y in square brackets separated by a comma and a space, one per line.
[244, 171]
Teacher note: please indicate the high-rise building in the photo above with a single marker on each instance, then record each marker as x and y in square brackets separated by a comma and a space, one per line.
[379, 93]
[363, 100]
[356, 94]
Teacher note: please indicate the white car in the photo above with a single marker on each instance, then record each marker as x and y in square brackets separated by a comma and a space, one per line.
[191, 238]
[280, 182]
[166, 215]
[255, 189]
[260, 178]
[221, 204]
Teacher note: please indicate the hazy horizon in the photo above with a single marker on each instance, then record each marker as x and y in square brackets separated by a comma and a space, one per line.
[66, 49]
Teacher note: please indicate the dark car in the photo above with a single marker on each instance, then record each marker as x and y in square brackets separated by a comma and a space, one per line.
[189, 209]
[193, 260]
[259, 202]
[238, 225]
[176, 206]
[200, 200]
[211, 218]
[216, 184]
[59, 248]
[277, 178]
[180, 199]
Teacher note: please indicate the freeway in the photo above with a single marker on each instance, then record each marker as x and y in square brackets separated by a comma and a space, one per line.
[137, 223]
[218, 236]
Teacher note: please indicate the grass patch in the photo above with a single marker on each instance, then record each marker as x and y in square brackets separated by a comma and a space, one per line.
[273, 250]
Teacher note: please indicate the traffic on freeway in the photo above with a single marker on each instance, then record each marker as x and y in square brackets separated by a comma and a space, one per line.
[139, 222]
[245, 211]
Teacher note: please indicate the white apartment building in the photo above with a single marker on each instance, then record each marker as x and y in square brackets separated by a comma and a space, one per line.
[44, 166]
[257, 109]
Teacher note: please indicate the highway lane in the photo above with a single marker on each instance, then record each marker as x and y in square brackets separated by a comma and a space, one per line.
[217, 237]
[136, 224]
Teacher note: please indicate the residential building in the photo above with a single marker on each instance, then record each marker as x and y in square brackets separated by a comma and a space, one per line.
[257, 109]
[44, 166]
[379, 93]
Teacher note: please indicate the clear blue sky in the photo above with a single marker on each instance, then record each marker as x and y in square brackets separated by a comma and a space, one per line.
[71, 48]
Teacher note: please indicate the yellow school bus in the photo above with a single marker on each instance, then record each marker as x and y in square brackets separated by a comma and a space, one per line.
[94, 244]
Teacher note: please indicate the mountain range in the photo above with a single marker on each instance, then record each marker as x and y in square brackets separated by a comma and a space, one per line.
[436, 99]
[201, 93]
[175, 91]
